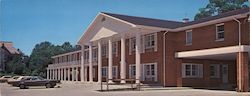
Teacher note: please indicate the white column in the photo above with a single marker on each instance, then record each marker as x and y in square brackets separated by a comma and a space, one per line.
[54, 73]
[72, 74]
[110, 61]
[64, 73]
[123, 62]
[99, 62]
[138, 57]
[82, 64]
[61, 73]
[48, 73]
[50, 76]
[90, 64]
[68, 74]
[76, 74]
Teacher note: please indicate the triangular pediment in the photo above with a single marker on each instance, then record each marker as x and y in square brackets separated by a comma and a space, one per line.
[104, 26]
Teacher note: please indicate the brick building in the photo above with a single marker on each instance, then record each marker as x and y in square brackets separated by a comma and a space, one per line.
[7, 51]
[212, 51]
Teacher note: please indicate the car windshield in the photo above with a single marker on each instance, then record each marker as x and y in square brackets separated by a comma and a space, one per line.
[40, 78]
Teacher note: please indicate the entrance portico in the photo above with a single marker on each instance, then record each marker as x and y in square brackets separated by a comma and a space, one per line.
[106, 29]
[237, 54]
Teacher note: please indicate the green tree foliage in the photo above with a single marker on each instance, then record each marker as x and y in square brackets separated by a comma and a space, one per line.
[220, 6]
[39, 59]
[17, 65]
[41, 56]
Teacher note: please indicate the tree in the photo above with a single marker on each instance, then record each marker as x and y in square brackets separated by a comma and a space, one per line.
[216, 7]
[41, 56]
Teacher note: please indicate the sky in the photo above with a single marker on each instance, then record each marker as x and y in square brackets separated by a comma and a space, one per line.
[29, 22]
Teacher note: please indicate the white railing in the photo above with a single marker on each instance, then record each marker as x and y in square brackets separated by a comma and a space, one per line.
[78, 62]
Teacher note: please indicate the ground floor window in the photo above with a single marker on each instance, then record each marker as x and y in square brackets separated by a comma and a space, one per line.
[132, 71]
[104, 71]
[114, 71]
[214, 71]
[150, 72]
[192, 70]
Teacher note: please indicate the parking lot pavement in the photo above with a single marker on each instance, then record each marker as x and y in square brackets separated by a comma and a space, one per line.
[87, 89]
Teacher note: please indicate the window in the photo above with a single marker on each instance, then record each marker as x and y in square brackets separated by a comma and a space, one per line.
[220, 32]
[114, 71]
[104, 71]
[150, 70]
[132, 71]
[104, 49]
[132, 43]
[94, 54]
[214, 71]
[189, 37]
[114, 48]
[149, 41]
[192, 70]
[86, 56]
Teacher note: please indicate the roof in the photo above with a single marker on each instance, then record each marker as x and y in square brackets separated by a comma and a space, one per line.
[172, 24]
[9, 47]
[147, 21]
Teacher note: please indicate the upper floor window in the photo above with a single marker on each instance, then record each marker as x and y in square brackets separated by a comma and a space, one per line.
[189, 37]
[149, 41]
[192, 70]
[104, 49]
[132, 43]
[214, 71]
[94, 54]
[220, 32]
[114, 48]
[86, 56]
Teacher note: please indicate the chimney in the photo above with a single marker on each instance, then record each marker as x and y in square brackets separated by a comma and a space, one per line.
[185, 20]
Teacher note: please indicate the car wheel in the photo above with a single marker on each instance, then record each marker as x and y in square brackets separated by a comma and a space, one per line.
[48, 85]
[22, 86]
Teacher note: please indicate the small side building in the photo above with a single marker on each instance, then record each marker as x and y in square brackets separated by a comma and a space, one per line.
[7, 51]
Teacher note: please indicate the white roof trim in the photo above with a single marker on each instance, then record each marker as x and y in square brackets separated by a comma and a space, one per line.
[69, 53]
[212, 51]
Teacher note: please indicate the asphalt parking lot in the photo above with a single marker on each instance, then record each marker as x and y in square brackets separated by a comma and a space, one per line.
[86, 89]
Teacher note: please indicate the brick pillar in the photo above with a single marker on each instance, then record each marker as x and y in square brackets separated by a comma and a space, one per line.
[242, 72]
[179, 72]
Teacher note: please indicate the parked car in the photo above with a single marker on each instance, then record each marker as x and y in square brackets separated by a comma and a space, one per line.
[37, 81]
[14, 81]
[4, 79]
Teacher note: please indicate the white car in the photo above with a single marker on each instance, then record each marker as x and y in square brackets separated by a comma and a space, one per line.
[4, 79]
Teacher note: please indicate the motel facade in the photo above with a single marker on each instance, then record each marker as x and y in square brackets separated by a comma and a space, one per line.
[213, 51]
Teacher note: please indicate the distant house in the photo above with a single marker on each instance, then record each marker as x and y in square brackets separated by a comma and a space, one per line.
[7, 51]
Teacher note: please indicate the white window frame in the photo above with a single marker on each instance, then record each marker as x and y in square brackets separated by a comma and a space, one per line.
[94, 54]
[217, 32]
[115, 48]
[115, 70]
[131, 75]
[199, 73]
[155, 71]
[104, 50]
[132, 44]
[189, 38]
[216, 71]
[86, 56]
[149, 38]
[106, 71]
